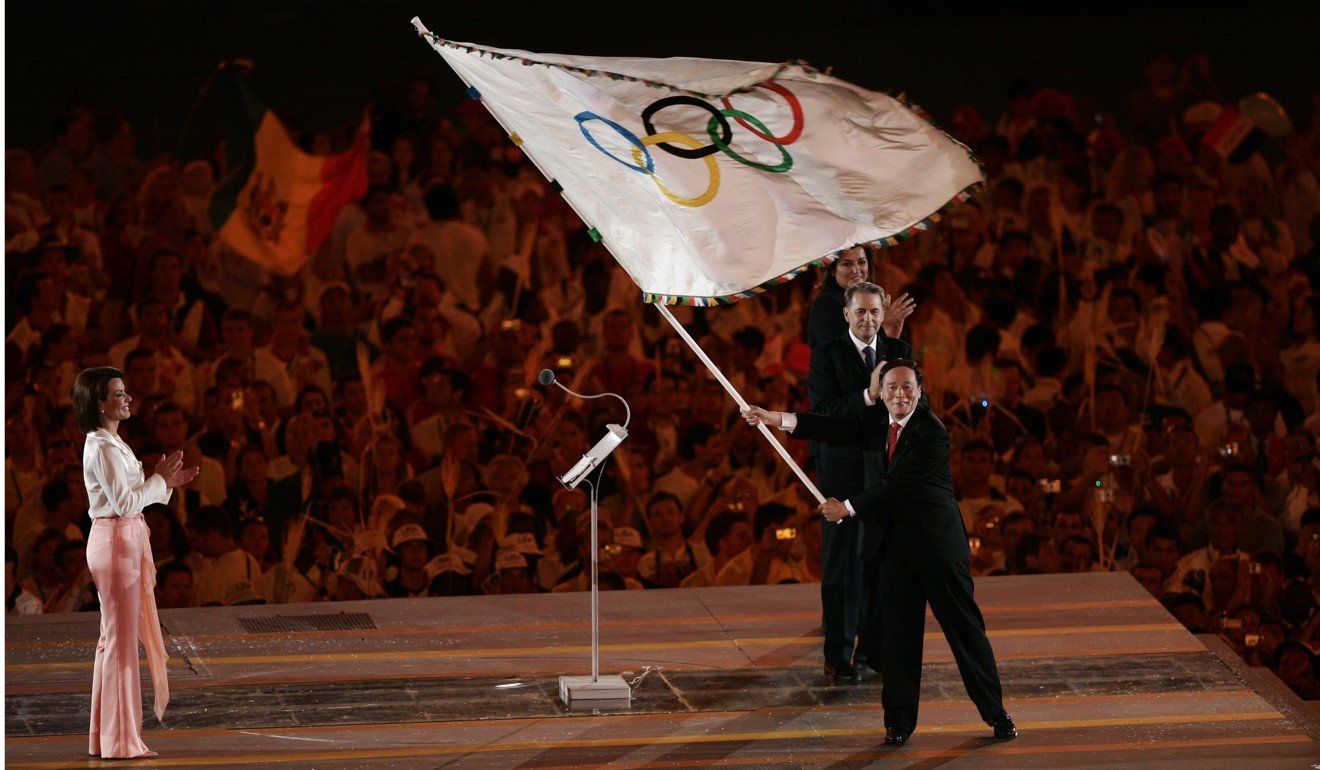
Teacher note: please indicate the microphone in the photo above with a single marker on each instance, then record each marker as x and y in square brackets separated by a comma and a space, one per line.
[614, 435]
[547, 377]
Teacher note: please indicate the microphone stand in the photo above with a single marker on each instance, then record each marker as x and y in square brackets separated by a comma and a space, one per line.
[593, 691]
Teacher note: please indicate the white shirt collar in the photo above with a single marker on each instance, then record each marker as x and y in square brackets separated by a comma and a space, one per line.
[857, 343]
[902, 424]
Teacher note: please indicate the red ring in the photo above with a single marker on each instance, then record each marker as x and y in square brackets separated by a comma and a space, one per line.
[791, 136]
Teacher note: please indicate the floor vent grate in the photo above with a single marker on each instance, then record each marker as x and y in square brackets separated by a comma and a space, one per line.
[279, 624]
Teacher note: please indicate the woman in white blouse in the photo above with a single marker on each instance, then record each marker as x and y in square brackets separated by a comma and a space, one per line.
[119, 557]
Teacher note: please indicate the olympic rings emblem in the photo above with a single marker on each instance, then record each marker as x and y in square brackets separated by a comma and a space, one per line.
[684, 146]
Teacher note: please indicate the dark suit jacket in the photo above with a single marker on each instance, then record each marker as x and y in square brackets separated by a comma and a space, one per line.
[835, 383]
[908, 501]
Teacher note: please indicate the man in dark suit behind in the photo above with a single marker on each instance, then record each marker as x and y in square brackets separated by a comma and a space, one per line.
[838, 385]
[913, 540]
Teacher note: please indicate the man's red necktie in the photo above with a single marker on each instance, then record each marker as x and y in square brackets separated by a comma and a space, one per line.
[893, 438]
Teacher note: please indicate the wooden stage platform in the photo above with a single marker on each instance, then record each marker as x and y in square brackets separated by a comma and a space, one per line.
[1095, 673]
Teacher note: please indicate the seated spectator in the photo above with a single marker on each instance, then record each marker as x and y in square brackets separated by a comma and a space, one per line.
[1224, 525]
[767, 560]
[229, 575]
[413, 548]
[174, 586]
[727, 535]
[624, 554]
[18, 600]
[673, 557]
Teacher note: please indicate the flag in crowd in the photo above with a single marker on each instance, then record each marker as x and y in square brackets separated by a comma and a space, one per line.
[278, 204]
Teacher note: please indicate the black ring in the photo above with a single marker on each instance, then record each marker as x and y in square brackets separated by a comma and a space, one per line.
[726, 131]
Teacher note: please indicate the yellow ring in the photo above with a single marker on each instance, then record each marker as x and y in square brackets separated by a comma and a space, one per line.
[684, 139]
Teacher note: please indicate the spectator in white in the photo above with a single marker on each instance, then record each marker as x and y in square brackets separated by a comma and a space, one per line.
[174, 586]
[414, 549]
[978, 485]
[443, 403]
[73, 142]
[672, 557]
[192, 322]
[44, 303]
[289, 344]
[169, 428]
[462, 251]
[229, 574]
[768, 560]
[173, 369]
[700, 452]
[64, 502]
[195, 186]
[23, 209]
[727, 535]
[1211, 422]
[623, 555]
[72, 253]
[24, 469]
[18, 600]
[236, 333]
[1223, 522]
[384, 233]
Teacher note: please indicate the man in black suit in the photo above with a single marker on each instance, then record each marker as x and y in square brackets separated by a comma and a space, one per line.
[913, 540]
[838, 384]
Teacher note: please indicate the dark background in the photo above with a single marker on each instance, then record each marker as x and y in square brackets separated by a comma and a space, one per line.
[323, 61]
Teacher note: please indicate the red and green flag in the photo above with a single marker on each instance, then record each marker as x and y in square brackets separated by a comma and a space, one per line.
[277, 204]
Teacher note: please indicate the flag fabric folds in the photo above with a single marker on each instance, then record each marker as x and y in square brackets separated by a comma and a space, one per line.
[277, 204]
[712, 180]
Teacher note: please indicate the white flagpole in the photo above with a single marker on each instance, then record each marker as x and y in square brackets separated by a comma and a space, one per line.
[714, 370]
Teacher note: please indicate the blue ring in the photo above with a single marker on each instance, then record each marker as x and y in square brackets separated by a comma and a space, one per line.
[583, 117]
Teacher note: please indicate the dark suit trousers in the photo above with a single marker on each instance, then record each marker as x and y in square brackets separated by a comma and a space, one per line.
[948, 589]
[842, 588]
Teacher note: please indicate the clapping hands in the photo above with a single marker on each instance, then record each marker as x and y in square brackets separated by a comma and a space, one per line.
[170, 468]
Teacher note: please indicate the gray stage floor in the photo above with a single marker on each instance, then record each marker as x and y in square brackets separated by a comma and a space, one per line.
[1095, 672]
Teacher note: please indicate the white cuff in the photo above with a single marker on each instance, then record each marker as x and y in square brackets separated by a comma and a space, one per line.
[851, 511]
[866, 396]
[787, 421]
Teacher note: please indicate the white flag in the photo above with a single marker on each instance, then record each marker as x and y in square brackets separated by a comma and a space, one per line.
[711, 180]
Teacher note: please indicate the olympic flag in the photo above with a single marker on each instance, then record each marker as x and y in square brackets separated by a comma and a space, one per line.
[710, 180]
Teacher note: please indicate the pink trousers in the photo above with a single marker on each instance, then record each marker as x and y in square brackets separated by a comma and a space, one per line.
[119, 557]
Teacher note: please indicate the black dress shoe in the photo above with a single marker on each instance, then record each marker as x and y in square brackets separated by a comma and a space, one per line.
[894, 737]
[1005, 730]
[842, 672]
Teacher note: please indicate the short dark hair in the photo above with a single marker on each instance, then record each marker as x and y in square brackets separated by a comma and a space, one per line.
[91, 388]
[55, 492]
[441, 202]
[1163, 530]
[719, 528]
[769, 514]
[211, 518]
[901, 363]
[169, 568]
[660, 497]
[694, 434]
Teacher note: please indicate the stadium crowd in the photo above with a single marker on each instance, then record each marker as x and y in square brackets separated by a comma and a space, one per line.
[1120, 330]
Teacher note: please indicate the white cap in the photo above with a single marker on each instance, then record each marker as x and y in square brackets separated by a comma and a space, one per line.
[449, 561]
[522, 542]
[627, 536]
[508, 558]
[408, 533]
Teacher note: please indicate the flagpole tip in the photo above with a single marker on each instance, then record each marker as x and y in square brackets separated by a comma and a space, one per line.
[419, 26]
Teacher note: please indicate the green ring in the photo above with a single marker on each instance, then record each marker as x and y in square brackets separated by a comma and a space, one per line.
[712, 129]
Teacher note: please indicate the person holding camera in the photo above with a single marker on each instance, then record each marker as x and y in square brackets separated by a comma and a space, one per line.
[768, 560]
[914, 543]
